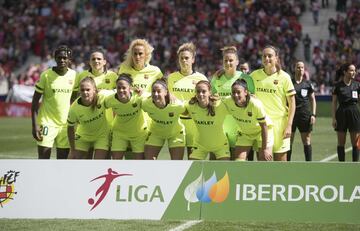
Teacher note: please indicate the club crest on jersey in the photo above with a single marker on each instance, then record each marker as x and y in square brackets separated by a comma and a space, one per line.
[98, 106]
[134, 104]
[171, 114]
[249, 113]
[146, 77]
[71, 81]
[107, 81]
[276, 82]
[194, 82]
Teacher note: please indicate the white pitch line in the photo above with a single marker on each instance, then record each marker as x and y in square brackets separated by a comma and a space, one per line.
[333, 156]
[186, 225]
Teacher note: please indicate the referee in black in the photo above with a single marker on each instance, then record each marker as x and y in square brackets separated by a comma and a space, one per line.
[347, 116]
[305, 113]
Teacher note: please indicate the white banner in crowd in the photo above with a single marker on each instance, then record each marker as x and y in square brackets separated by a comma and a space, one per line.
[21, 93]
[95, 189]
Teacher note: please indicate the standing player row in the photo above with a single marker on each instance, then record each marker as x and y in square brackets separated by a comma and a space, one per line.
[272, 86]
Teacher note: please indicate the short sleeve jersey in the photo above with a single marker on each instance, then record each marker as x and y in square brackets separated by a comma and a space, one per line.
[209, 128]
[302, 98]
[165, 122]
[105, 81]
[347, 95]
[183, 87]
[144, 78]
[222, 85]
[249, 117]
[272, 91]
[91, 122]
[129, 119]
[56, 90]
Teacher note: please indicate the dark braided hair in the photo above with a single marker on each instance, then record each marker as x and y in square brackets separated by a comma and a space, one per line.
[64, 48]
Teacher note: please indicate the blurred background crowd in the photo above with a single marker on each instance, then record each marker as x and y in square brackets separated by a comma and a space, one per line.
[31, 29]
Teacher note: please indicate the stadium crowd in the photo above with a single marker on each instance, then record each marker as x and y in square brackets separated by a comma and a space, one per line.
[37, 27]
[343, 46]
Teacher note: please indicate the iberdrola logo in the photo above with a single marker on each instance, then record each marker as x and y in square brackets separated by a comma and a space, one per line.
[211, 190]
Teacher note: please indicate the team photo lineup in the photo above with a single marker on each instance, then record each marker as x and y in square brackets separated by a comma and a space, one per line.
[215, 80]
[232, 115]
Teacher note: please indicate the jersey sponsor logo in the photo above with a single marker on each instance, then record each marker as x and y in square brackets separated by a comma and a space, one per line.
[128, 114]
[204, 122]
[66, 91]
[206, 191]
[354, 94]
[140, 85]
[224, 93]
[266, 90]
[94, 118]
[163, 122]
[176, 89]
[7, 187]
[304, 92]
[242, 120]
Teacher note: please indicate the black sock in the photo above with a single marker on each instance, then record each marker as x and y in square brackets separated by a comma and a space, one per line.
[308, 152]
[250, 156]
[355, 154]
[288, 157]
[341, 153]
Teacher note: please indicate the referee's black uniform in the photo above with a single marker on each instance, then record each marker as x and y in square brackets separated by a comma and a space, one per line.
[303, 113]
[347, 114]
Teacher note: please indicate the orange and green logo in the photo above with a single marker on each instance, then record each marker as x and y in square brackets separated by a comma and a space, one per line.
[207, 191]
[7, 187]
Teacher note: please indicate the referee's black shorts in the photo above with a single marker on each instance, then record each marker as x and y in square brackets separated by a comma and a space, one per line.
[347, 118]
[302, 122]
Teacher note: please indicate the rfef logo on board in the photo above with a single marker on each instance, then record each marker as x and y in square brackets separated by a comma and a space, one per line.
[7, 187]
[211, 190]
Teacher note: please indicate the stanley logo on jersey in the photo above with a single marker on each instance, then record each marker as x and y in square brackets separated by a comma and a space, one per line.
[134, 104]
[276, 82]
[171, 114]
